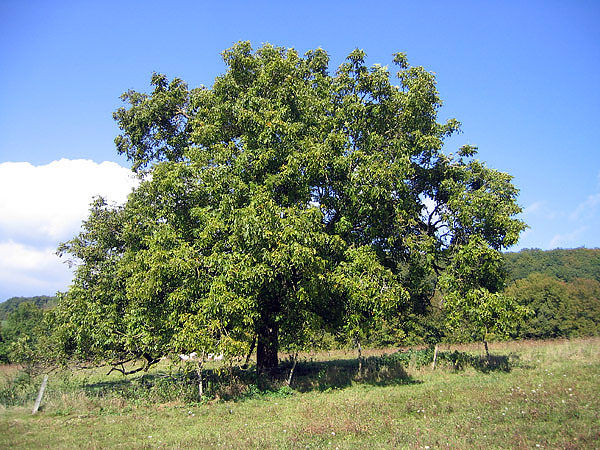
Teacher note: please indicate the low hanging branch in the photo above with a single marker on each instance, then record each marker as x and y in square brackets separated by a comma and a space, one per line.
[149, 361]
[125, 372]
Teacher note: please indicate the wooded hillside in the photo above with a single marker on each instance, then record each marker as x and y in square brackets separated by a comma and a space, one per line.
[561, 288]
[11, 305]
[563, 264]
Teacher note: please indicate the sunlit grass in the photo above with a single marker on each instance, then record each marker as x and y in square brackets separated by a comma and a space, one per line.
[549, 399]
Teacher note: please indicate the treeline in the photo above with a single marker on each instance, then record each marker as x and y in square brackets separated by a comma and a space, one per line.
[560, 287]
[21, 324]
[11, 305]
[562, 264]
[20, 333]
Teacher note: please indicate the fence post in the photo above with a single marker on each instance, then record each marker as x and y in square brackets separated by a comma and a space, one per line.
[435, 352]
[40, 395]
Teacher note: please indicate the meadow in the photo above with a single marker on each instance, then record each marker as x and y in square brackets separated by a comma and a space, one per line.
[532, 394]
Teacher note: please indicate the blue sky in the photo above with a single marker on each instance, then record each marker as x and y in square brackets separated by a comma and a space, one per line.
[522, 77]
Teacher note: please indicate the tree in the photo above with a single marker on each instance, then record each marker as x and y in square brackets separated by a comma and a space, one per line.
[474, 302]
[281, 198]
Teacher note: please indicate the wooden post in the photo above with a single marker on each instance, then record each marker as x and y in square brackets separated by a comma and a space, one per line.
[360, 361]
[200, 378]
[289, 380]
[40, 395]
[435, 352]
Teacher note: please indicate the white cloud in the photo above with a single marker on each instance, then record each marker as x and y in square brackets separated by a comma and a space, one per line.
[533, 208]
[26, 270]
[567, 240]
[48, 202]
[41, 206]
[588, 206]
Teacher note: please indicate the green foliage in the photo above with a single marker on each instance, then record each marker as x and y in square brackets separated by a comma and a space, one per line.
[280, 202]
[17, 389]
[475, 307]
[562, 264]
[20, 333]
[560, 309]
[10, 305]
[561, 288]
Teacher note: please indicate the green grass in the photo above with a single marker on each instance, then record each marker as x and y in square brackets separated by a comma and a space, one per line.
[548, 397]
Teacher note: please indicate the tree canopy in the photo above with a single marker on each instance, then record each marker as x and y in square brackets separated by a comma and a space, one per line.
[282, 200]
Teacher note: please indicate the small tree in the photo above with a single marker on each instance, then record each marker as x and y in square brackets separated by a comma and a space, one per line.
[372, 292]
[473, 300]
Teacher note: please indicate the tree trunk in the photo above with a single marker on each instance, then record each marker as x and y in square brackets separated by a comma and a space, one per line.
[267, 348]
[487, 351]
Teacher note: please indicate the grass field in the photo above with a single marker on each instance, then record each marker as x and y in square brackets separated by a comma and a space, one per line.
[546, 396]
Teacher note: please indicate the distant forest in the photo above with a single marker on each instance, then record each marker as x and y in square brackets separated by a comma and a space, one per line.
[561, 289]
[11, 305]
[565, 265]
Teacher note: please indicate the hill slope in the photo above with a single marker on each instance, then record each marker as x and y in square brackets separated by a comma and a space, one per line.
[10, 305]
[563, 264]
